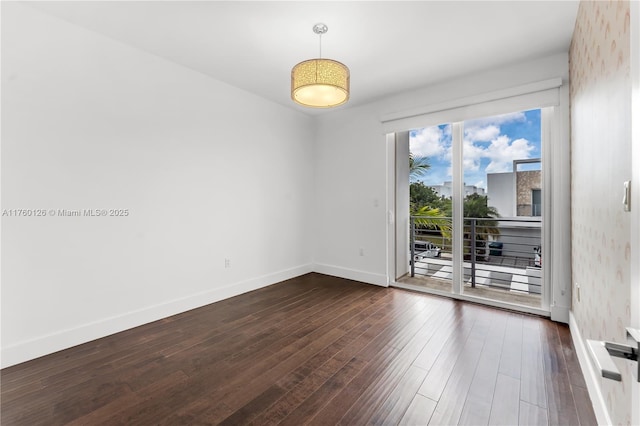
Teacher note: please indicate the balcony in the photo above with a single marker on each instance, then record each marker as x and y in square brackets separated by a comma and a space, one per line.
[502, 257]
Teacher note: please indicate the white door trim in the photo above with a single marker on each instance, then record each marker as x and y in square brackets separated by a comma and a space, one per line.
[635, 192]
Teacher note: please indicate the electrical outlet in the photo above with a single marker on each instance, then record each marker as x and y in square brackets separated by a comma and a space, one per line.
[227, 263]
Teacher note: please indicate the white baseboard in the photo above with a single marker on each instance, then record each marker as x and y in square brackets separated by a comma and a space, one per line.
[351, 274]
[591, 377]
[560, 314]
[50, 343]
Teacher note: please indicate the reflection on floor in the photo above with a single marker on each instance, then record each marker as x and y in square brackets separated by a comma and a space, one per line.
[531, 300]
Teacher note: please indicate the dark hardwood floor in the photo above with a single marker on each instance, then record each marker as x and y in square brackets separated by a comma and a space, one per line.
[312, 350]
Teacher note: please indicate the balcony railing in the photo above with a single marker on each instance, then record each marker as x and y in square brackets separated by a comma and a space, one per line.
[498, 253]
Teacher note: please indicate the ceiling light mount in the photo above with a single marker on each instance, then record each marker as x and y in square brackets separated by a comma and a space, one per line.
[320, 29]
[320, 83]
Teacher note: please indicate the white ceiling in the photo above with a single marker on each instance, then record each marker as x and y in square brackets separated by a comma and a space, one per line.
[389, 46]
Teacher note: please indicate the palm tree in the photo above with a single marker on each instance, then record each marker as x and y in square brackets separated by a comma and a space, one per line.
[426, 217]
[476, 207]
[431, 218]
[418, 166]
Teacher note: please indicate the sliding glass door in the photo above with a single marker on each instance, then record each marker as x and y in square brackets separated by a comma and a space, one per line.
[502, 208]
[476, 208]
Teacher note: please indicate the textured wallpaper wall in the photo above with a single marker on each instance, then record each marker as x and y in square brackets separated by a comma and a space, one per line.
[600, 162]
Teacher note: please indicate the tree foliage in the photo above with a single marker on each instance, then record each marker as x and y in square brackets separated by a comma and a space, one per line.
[476, 206]
[430, 209]
[418, 167]
[432, 218]
[420, 195]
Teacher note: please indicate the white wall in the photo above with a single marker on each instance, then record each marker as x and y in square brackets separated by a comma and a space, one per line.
[206, 171]
[350, 169]
[350, 197]
[500, 191]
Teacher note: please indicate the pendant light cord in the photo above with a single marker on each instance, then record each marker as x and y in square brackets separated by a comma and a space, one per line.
[320, 29]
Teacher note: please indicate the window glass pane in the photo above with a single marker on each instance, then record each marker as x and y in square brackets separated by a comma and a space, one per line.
[502, 207]
[430, 206]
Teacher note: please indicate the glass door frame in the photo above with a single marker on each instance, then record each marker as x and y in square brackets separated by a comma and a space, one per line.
[396, 232]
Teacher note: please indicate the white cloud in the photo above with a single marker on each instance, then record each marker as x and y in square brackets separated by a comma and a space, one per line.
[502, 152]
[482, 134]
[447, 131]
[488, 128]
[483, 145]
[479, 184]
[428, 142]
[472, 155]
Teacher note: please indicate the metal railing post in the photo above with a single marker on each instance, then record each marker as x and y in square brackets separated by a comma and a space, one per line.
[473, 253]
[412, 238]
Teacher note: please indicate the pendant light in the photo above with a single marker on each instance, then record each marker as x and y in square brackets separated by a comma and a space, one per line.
[320, 83]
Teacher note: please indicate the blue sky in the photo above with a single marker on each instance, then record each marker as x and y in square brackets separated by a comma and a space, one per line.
[490, 146]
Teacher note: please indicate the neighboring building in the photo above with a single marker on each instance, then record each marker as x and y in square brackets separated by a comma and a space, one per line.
[445, 190]
[500, 193]
[472, 189]
[517, 193]
[529, 193]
